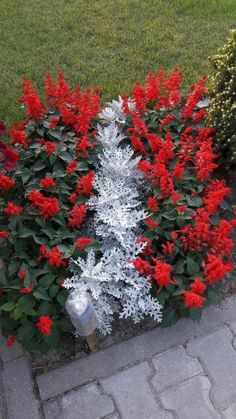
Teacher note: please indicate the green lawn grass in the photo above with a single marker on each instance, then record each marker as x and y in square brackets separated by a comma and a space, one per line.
[106, 43]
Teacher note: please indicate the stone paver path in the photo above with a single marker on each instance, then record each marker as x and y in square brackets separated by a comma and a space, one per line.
[187, 371]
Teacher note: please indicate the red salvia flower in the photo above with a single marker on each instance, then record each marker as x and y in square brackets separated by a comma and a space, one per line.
[85, 184]
[152, 224]
[71, 167]
[18, 137]
[215, 269]
[5, 183]
[26, 290]
[45, 325]
[198, 286]
[50, 147]
[54, 257]
[53, 123]
[162, 274]
[152, 204]
[4, 234]
[178, 171]
[12, 209]
[72, 198]
[34, 107]
[193, 300]
[47, 183]
[76, 216]
[83, 242]
[168, 248]
[193, 98]
[10, 341]
[137, 144]
[36, 198]
[22, 274]
[167, 120]
[49, 208]
[204, 160]
[142, 266]
[215, 194]
[9, 157]
[155, 142]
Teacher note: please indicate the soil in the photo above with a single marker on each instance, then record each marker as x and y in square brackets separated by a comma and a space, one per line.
[74, 348]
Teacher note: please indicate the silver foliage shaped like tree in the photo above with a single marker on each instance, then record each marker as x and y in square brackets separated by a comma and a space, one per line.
[112, 281]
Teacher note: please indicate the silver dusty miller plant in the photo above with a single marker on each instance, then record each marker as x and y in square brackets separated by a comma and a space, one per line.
[112, 281]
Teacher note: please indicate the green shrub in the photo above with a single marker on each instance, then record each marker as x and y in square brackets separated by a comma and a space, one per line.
[222, 92]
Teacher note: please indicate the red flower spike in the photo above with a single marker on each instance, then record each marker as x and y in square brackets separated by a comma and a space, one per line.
[50, 147]
[142, 266]
[71, 167]
[22, 274]
[6, 183]
[193, 300]
[47, 183]
[83, 242]
[198, 286]
[76, 216]
[4, 234]
[10, 341]
[12, 209]
[45, 325]
[85, 184]
[162, 274]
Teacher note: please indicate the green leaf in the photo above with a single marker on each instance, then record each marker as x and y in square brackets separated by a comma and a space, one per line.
[62, 297]
[7, 307]
[194, 201]
[83, 166]
[26, 331]
[13, 267]
[53, 290]
[53, 339]
[192, 266]
[179, 266]
[169, 317]
[27, 302]
[214, 296]
[46, 281]
[195, 314]
[65, 157]
[95, 245]
[38, 166]
[17, 313]
[180, 221]
[65, 325]
[41, 294]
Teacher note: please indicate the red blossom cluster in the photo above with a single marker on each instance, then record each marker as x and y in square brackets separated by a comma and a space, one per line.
[45, 325]
[177, 162]
[53, 256]
[48, 207]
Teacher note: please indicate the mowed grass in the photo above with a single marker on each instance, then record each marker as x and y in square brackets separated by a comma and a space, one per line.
[105, 43]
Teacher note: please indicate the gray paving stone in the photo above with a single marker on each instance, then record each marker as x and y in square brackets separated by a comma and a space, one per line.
[190, 400]
[8, 354]
[232, 326]
[219, 358]
[133, 395]
[18, 385]
[227, 309]
[51, 410]
[108, 361]
[173, 367]
[86, 403]
[230, 412]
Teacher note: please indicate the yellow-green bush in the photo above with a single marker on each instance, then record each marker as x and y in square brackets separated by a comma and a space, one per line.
[222, 91]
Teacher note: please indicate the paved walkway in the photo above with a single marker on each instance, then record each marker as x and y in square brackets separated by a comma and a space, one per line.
[187, 371]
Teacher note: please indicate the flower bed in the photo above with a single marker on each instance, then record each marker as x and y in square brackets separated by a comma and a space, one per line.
[131, 202]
